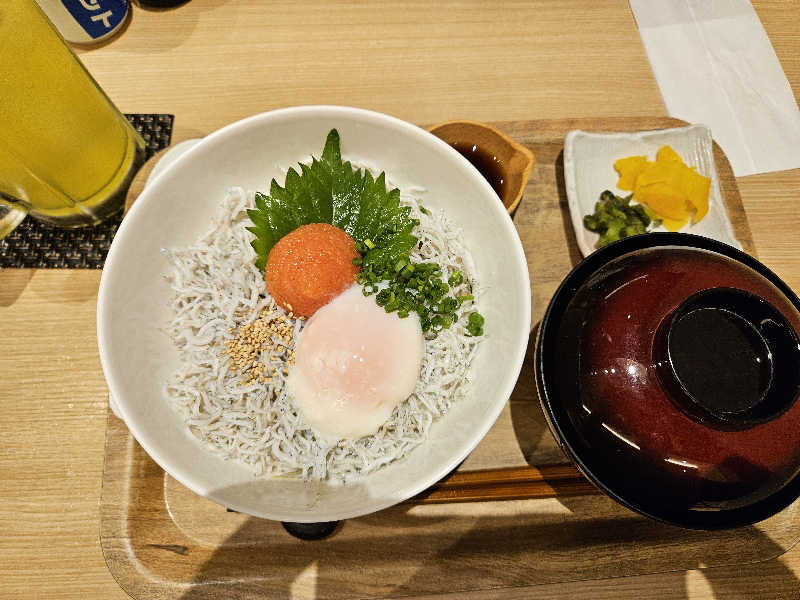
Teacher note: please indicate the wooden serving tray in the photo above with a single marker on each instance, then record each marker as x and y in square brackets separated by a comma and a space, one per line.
[161, 540]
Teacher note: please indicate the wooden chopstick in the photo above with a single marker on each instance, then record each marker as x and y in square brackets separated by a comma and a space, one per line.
[547, 481]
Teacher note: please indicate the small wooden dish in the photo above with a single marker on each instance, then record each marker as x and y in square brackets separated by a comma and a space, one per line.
[504, 163]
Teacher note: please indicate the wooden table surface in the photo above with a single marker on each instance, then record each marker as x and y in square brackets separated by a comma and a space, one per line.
[211, 62]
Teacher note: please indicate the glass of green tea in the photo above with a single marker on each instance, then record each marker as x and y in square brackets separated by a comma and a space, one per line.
[67, 155]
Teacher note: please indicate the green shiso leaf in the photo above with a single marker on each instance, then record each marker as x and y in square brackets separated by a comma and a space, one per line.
[332, 191]
[331, 153]
[317, 184]
[348, 190]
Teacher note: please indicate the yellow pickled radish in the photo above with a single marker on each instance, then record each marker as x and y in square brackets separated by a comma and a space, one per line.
[663, 199]
[672, 190]
[697, 189]
[667, 154]
[629, 169]
[673, 224]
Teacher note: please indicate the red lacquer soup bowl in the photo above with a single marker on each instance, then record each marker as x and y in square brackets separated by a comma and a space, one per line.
[668, 367]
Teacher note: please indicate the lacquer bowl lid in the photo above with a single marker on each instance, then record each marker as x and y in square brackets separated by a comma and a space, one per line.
[668, 366]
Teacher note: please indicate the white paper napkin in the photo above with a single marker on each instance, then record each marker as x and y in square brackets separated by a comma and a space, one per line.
[715, 65]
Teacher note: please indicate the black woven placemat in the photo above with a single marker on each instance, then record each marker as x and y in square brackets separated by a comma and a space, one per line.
[37, 245]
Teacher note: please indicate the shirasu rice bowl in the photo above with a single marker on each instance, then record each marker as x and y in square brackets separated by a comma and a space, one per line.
[217, 290]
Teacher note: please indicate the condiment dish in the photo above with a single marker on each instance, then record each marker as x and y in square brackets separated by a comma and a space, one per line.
[505, 163]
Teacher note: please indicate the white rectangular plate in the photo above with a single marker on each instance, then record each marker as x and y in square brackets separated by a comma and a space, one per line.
[589, 169]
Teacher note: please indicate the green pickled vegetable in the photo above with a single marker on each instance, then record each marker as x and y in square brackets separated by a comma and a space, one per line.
[615, 218]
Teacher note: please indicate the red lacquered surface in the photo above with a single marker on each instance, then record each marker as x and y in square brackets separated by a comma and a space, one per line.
[621, 409]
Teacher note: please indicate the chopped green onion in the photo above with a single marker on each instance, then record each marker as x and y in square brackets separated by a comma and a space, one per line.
[475, 324]
[456, 278]
[447, 305]
[409, 286]
[400, 265]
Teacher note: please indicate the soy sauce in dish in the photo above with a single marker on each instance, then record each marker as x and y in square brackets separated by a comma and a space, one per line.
[488, 165]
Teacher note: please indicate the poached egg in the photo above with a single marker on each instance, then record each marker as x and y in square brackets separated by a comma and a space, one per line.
[354, 363]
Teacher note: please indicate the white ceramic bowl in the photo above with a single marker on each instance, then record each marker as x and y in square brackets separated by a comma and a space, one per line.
[177, 207]
[589, 169]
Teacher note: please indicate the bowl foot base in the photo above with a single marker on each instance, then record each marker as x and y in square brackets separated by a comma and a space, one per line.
[310, 531]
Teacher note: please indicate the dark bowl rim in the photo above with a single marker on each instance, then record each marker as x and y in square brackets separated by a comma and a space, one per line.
[559, 422]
